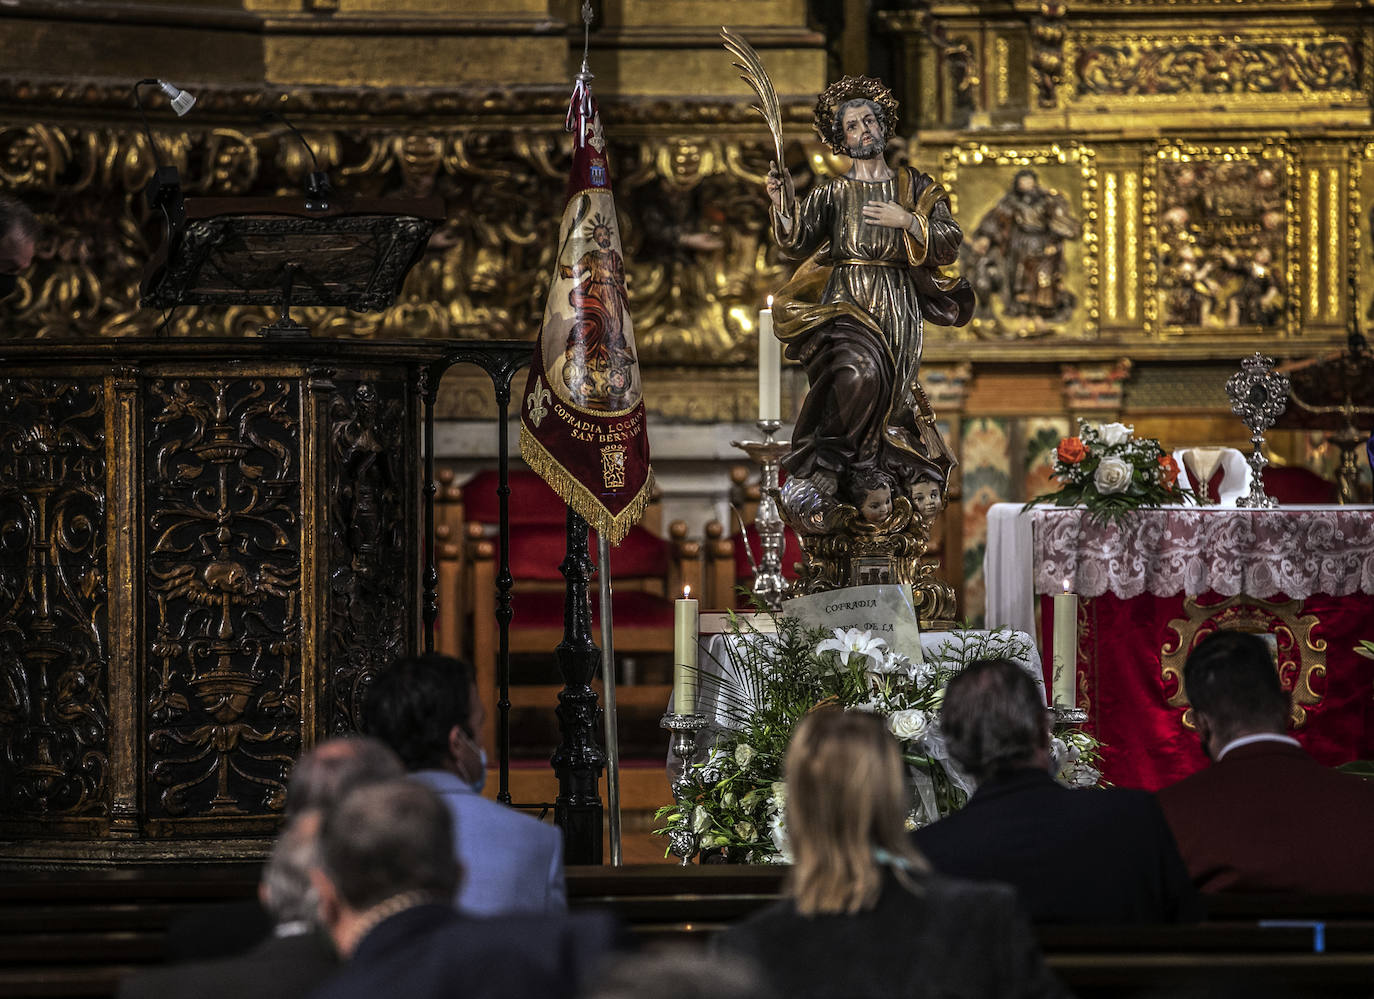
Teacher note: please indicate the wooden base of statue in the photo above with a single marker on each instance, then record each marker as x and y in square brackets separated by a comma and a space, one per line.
[840, 548]
[209, 547]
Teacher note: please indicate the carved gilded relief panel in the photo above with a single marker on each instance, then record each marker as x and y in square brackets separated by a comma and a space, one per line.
[222, 591]
[1030, 249]
[1253, 73]
[1225, 255]
[54, 658]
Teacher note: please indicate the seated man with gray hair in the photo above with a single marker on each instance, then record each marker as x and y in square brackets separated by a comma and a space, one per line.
[1074, 856]
[386, 881]
[272, 948]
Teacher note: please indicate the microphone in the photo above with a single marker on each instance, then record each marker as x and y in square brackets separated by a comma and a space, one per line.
[165, 184]
[182, 100]
[317, 186]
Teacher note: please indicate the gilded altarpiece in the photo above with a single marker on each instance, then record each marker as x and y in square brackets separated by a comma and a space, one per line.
[1175, 131]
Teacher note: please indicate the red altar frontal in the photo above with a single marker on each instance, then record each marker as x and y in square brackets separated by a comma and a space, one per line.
[1151, 588]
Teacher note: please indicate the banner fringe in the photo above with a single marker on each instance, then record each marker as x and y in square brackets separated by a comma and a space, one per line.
[583, 502]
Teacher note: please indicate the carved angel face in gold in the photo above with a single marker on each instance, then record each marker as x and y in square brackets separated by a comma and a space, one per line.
[925, 497]
[877, 505]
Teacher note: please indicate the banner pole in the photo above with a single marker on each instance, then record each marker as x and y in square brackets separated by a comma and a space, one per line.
[603, 559]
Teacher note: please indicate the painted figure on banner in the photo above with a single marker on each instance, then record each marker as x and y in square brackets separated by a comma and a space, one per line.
[1017, 251]
[599, 366]
[873, 242]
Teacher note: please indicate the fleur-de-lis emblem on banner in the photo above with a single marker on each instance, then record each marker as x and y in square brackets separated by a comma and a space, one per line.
[537, 399]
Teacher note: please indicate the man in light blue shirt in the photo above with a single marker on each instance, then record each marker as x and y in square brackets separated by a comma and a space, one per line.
[427, 710]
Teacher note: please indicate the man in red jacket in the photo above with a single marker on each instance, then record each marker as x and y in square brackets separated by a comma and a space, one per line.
[1265, 817]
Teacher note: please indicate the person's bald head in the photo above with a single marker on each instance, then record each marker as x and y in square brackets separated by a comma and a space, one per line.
[324, 775]
[18, 235]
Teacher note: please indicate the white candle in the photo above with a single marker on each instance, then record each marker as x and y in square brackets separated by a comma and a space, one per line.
[770, 367]
[685, 653]
[1065, 648]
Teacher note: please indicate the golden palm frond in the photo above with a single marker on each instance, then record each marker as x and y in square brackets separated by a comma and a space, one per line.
[757, 78]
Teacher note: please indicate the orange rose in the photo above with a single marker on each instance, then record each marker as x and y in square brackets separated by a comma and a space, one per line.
[1071, 451]
[1168, 471]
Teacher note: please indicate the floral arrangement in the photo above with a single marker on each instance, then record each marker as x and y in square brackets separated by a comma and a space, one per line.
[1109, 470]
[736, 800]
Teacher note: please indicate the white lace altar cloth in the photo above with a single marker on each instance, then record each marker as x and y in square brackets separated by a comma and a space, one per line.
[1294, 551]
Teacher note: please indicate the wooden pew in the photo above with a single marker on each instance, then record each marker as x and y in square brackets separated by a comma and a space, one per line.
[77, 932]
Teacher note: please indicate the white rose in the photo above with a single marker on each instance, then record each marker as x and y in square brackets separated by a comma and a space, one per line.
[744, 755]
[1113, 475]
[908, 725]
[745, 830]
[1115, 433]
[701, 820]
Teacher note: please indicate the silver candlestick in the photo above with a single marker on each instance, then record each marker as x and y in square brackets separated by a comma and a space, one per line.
[683, 842]
[1259, 395]
[769, 585]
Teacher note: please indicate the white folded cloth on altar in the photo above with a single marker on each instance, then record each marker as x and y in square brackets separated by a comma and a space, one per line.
[1236, 475]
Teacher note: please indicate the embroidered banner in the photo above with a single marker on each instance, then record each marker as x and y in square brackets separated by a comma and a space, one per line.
[582, 423]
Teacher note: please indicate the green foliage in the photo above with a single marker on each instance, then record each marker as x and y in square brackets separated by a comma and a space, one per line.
[770, 682]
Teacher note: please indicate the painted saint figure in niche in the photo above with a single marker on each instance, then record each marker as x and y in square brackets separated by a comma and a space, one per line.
[599, 364]
[1018, 250]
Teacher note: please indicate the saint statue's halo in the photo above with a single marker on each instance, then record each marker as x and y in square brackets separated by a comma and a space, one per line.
[851, 88]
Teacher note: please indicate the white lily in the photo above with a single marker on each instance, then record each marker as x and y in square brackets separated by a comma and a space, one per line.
[855, 643]
[893, 662]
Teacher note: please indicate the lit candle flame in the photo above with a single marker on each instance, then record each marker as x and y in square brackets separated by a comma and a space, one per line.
[770, 301]
[1066, 585]
[686, 592]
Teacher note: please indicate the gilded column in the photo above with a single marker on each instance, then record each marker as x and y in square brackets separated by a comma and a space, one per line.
[124, 515]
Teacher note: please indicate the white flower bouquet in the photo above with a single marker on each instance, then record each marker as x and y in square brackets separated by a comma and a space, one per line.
[1109, 470]
[737, 806]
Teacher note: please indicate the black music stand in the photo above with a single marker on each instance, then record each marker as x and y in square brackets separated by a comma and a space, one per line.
[275, 252]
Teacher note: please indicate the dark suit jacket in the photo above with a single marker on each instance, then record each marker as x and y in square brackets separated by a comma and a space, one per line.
[277, 968]
[431, 951]
[953, 939]
[1074, 856]
[1270, 818]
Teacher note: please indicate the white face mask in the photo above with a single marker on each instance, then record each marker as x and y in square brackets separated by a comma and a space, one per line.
[481, 752]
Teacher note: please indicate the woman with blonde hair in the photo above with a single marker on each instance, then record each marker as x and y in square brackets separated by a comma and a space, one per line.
[864, 916]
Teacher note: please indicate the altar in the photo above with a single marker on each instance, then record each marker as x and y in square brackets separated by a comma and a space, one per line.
[1151, 587]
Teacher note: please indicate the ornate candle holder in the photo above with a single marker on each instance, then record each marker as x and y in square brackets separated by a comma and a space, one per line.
[769, 585]
[1259, 395]
[1072, 717]
[683, 842]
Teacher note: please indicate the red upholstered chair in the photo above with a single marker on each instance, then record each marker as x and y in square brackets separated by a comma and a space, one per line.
[1295, 484]
[648, 572]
